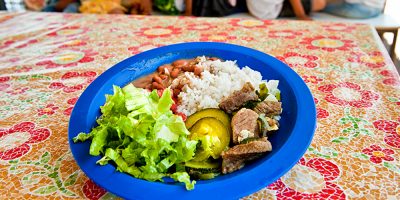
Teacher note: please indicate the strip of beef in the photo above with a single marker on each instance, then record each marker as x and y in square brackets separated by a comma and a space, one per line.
[269, 108]
[238, 98]
[244, 125]
[235, 157]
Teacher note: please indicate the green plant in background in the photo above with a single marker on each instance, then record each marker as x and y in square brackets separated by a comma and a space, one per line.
[167, 6]
[357, 127]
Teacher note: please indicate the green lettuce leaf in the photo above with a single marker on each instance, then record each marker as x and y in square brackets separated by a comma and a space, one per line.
[115, 104]
[165, 102]
[185, 178]
[81, 137]
[140, 135]
[99, 140]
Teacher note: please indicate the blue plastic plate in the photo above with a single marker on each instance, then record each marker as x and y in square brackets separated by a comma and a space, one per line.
[296, 131]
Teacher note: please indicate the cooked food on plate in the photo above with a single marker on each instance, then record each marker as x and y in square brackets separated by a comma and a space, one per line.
[191, 119]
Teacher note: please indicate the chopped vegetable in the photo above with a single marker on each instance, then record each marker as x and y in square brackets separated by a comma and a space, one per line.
[263, 92]
[273, 90]
[139, 133]
[266, 124]
[247, 140]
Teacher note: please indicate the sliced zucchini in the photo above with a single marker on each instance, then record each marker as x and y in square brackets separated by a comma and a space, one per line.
[208, 176]
[203, 165]
[209, 112]
[212, 134]
[203, 170]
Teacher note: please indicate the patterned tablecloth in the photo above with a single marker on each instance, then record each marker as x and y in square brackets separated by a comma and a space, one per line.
[47, 60]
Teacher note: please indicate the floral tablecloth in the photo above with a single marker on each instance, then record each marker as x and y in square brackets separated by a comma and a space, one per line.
[47, 60]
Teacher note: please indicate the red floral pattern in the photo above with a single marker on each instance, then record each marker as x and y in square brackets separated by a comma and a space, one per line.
[6, 44]
[392, 130]
[251, 23]
[247, 38]
[69, 58]
[325, 168]
[339, 27]
[322, 113]
[3, 83]
[390, 78]
[158, 31]
[289, 34]
[22, 135]
[377, 154]
[327, 43]
[23, 69]
[17, 91]
[347, 93]
[29, 42]
[72, 102]
[69, 31]
[107, 20]
[48, 110]
[72, 43]
[312, 79]
[299, 60]
[86, 78]
[143, 47]
[216, 37]
[200, 26]
[93, 191]
[373, 59]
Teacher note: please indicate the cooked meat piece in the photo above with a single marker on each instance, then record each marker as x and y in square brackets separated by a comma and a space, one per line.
[238, 98]
[244, 125]
[234, 158]
[269, 108]
[230, 165]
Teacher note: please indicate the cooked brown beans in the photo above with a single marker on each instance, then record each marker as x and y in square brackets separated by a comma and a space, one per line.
[176, 92]
[179, 87]
[175, 72]
[157, 79]
[179, 63]
[163, 76]
[149, 87]
[197, 71]
[157, 86]
[188, 68]
[161, 69]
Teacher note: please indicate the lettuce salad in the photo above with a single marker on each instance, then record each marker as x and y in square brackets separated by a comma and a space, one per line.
[140, 134]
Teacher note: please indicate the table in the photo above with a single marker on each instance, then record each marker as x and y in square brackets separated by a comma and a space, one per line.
[48, 59]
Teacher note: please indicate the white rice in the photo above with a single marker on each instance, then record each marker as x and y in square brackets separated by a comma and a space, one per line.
[218, 80]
